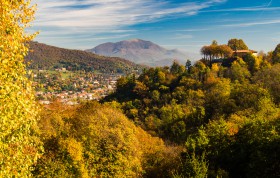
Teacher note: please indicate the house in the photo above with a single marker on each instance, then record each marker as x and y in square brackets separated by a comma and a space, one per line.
[238, 53]
[45, 102]
[113, 82]
[241, 53]
[96, 82]
[72, 103]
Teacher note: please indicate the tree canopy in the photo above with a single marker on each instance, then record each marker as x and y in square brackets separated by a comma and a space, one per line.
[94, 140]
[276, 54]
[215, 51]
[237, 44]
[202, 120]
[225, 116]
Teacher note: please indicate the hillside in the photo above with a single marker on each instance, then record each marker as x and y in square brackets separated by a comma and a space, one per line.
[227, 118]
[42, 56]
[140, 52]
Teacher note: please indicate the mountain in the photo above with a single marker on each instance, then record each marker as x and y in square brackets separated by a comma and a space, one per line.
[140, 52]
[42, 56]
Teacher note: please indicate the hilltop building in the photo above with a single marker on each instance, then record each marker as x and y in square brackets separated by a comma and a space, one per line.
[241, 53]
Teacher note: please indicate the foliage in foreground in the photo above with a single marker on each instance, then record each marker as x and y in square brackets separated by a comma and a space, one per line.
[19, 144]
[95, 140]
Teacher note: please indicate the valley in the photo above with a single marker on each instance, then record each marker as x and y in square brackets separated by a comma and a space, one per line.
[73, 76]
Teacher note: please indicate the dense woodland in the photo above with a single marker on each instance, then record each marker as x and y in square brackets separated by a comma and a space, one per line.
[219, 119]
[226, 119]
[210, 119]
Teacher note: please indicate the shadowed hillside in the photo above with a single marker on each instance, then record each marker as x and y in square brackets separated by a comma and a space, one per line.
[42, 56]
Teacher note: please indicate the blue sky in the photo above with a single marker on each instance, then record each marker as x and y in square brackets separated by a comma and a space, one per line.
[180, 24]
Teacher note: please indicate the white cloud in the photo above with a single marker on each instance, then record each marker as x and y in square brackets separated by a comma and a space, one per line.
[248, 24]
[245, 9]
[108, 16]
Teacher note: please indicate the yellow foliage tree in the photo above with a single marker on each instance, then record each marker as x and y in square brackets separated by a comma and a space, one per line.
[94, 140]
[18, 142]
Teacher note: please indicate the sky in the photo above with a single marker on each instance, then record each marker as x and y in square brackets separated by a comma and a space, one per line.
[186, 25]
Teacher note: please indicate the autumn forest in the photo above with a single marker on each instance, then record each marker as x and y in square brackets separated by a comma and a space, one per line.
[217, 117]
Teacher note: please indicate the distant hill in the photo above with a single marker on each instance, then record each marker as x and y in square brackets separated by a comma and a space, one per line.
[140, 52]
[42, 56]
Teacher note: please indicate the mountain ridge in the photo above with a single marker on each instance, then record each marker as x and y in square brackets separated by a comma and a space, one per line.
[141, 52]
[42, 56]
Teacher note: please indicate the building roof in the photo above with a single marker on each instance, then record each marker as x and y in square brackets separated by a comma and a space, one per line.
[246, 51]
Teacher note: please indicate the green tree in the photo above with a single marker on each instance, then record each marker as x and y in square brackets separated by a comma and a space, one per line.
[253, 62]
[188, 65]
[193, 166]
[176, 68]
[174, 124]
[276, 54]
[19, 145]
[238, 71]
[237, 44]
[269, 78]
[199, 71]
[214, 43]
[217, 98]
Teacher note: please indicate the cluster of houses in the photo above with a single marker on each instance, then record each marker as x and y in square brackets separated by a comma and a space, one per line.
[101, 87]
